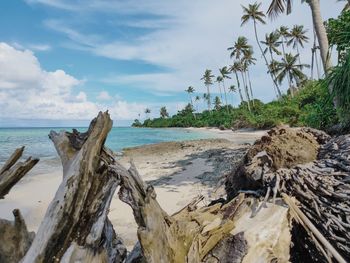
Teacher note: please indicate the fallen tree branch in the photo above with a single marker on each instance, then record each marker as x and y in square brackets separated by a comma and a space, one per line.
[13, 171]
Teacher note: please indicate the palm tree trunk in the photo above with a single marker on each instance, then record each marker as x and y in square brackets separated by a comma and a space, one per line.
[279, 94]
[246, 91]
[321, 33]
[250, 87]
[220, 90]
[298, 54]
[208, 92]
[283, 48]
[290, 84]
[239, 87]
[223, 84]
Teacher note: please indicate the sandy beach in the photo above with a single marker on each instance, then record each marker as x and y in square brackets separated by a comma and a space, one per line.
[179, 171]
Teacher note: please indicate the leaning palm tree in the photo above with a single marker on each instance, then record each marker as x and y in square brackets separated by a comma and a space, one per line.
[239, 47]
[232, 89]
[298, 38]
[280, 6]
[291, 69]
[235, 68]
[219, 80]
[190, 90]
[243, 70]
[208, 81]
[225, 75]
[252, 12]
[283, 31]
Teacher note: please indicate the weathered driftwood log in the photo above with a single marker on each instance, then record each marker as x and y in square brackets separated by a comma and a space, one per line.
[13, 171]
[14, 239]
[14, 236]
[75, 227]
[218, 233]
[321, 185]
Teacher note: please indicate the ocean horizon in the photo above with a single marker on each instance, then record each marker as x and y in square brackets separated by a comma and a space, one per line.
[38, 145]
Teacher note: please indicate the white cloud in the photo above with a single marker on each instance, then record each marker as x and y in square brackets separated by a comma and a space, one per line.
[40, 47]
[28, 91]
[104, 95]
[193, 36]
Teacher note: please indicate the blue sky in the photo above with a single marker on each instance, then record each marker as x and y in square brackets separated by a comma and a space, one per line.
[62, 61]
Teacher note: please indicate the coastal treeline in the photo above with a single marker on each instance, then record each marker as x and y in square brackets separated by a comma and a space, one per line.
[318, 95]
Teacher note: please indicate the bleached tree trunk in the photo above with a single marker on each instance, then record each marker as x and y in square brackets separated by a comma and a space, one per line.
[75, 227]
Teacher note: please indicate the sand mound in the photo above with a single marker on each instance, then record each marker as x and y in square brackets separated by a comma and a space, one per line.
[286, 147]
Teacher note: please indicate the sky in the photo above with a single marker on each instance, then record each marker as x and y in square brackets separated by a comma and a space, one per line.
[62, 61]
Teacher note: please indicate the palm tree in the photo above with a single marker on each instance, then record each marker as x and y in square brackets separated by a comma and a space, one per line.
[235, 68]
[217, 103]
[219, 79]
[284, 35]
[147, 112]
[190, 90]
[297, 37]
[197, 98]
[249, 60]
[206, 97]
[243, 70]
[272, 43]
[279, 6]
[232, 89]
[253, 13]
[208, 81]
[290, 69]
[163, 112]
[239, 47]
[225, 75]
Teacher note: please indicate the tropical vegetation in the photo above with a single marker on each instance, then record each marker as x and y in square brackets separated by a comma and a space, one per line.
[320, 103]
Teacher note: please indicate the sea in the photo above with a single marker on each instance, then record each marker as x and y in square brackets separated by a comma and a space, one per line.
[38, 145]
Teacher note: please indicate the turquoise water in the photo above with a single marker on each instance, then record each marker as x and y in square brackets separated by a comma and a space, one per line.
[38, 144]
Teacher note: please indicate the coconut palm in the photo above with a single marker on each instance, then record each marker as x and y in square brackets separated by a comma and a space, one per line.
[147, 112]
[197, 99]
[206, 97]
[217, 103]
[219, 80]
[163, 112]
[297, 37]
[283, 31]
[225, 75]
[243, 70]
[290, 69]
[249, 60]
[272, 43]
[235, 68]
[280, 6]
[232, 89]
[190, 90]
[239, 47]
[252, 12]
[208, 81]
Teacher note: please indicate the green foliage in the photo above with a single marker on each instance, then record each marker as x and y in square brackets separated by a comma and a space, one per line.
[338, 31]
[136, 123]
[312, 106]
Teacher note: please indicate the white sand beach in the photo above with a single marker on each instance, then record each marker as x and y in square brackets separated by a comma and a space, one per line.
[179, 171]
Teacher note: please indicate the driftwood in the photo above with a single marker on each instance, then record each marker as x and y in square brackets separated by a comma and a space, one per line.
[321, 188]
[76, 227]
[207, 234]
[14, 236]
[13, 171]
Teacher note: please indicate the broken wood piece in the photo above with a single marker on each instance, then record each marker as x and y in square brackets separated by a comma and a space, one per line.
[15, 239]
[76, 226]
[13, 171]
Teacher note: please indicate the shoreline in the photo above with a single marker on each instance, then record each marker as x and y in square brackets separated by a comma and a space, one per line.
[179, 171]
